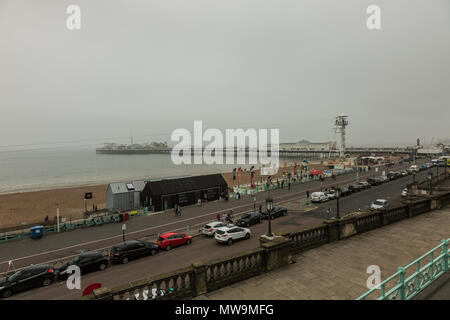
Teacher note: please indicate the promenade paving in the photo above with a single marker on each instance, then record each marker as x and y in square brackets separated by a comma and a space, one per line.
[337, 270]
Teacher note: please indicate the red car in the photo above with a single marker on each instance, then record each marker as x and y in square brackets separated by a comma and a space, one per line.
[172, 239]
[316, 172]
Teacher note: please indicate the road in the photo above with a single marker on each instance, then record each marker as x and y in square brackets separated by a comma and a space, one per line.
[202, 248]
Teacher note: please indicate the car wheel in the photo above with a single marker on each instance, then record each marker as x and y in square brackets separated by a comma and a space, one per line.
[247, 236]
[47, 282]
[188, 241]
[102, 267]
[230, 242]
[125, 260]
[152, 252]
[284, 213]
[168, 248]
[7, 294]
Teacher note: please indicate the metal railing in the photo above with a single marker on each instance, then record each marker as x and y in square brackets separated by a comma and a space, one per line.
[408, 281]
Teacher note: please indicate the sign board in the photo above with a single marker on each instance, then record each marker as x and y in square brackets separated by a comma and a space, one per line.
[124, 227]
[88, 195]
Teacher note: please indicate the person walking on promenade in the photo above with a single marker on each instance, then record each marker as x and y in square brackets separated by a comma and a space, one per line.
[289, 185]
[218, 217]
[179, 211]
[307, 194]
[175, 209]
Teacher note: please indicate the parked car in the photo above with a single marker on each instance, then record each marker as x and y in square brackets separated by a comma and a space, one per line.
[249, 218]
[331, 194]
[404, 192]
[132, 249]
[87, 262]
[364, 184]
[384, 179]
[373, 181]
[344, 192]
[414, 168]
[355, 187]
[276, 212]
[318, 197]
[404, 173]
[210, 228]
[379, 204]
[170, 240]
[230, 234]
[27, 278]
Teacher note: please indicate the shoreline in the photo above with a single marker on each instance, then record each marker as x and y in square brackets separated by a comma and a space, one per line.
[32, 206]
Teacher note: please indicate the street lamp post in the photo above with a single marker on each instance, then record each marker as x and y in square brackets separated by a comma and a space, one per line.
[269, 207]
[430, 177]
[338, 194]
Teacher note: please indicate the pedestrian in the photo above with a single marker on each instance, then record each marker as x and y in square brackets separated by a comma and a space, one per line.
[199, 202]
[328, 212]
[307, 194]
[289, 185]
[282, 184]
[175, 209]
[179, 210]
[218, 217]
[260, 208]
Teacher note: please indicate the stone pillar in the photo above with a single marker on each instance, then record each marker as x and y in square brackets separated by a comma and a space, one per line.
[277, 252]
[199, 278]
[333, 229]
[347, 228]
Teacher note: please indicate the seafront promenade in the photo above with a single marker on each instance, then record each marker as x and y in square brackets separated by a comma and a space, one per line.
[338, 270]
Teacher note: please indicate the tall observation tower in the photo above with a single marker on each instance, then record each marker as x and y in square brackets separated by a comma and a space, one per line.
[340, 124]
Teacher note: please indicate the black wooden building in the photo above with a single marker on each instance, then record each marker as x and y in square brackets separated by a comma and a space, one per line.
[163, 194]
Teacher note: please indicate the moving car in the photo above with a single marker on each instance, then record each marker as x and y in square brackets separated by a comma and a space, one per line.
[170, 240]
[276, 212]
[249, 218]
[379, 204]
[87, 262]
[229, 234]
[318, 197]
[132, 249]
[210, 228]
[27, 278]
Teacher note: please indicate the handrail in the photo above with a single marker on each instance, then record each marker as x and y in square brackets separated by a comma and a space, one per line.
[408, 288]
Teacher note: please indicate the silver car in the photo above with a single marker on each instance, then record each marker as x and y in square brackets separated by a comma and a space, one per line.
[210, 228]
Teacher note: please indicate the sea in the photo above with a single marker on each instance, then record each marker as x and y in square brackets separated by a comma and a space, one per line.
[32, 170]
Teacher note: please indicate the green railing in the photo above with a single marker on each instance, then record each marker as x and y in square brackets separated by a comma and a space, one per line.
[408, 281]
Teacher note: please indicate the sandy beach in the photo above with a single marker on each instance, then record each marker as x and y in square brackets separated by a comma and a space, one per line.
[32, 207]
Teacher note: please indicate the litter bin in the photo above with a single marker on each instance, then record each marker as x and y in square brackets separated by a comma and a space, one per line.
[125, 216]
[37, 232]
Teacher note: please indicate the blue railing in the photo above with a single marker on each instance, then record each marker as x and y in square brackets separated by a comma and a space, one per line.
[408, 281]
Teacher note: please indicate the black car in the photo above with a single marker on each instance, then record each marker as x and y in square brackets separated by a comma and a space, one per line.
[87, 262]
[132, 249]
[27, 278]
[373, 181]
[276, 212]
[344, 191]
[355, 187]
[249, 218]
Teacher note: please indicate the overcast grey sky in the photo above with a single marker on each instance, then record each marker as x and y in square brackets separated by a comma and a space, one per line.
[158, 65]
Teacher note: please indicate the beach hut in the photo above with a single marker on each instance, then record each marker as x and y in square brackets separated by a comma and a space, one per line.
[163, 194]
[122, 196]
